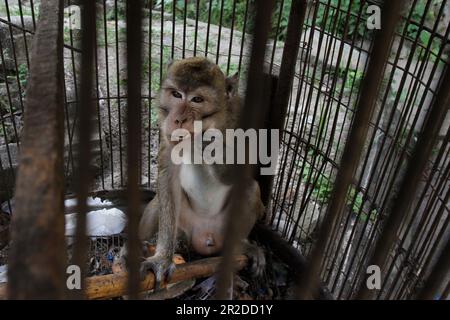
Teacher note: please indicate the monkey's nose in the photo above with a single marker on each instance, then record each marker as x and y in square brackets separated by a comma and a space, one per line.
[179, 121]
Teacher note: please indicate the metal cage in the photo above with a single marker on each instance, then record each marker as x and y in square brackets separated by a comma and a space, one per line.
[383, 90]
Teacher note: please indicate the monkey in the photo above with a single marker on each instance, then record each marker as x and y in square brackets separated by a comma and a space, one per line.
[192, 199]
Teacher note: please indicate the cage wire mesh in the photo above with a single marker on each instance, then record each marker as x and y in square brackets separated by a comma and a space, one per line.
[335, 49]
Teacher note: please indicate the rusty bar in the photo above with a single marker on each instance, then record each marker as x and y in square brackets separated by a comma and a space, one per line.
[37, 257]
[250, 118]
[288, 62]
[411, 182]
[85, 109]
[280, 99]
[266, 181]
[354, 144]
[134, 38]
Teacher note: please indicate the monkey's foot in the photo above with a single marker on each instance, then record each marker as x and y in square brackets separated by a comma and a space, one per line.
[257, 259]
[120, 259]
[161, 266]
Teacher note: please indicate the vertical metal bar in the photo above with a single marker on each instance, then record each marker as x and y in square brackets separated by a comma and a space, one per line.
[410, 184]
[277, 33]
[14, 53]
[244, 30]
[119, 111]
[249, 119]
[219, 37]
[208, 28]
[184, 28]
[230, 45]
[150, 79]
[161, 44]
[197, 13]
[86, 110]
[289, 59]
[266, 181]
[354, 145]
[25, 42]
[33, 15]
[174, 16]
[38, 220]
[108, 91]
[287, 71]
[134, 37]
[440, 271]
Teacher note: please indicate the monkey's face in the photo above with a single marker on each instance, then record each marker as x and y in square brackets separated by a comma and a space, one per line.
[180, 108]
[195, 90]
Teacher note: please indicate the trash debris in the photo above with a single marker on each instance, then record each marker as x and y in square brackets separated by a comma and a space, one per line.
[3, 274]
[204, 290]
[7, 207]
[100, 223]
[91, 202]
[4, 229]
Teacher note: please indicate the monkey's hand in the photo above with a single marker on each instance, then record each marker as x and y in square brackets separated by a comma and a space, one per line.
[256, 257]
[161, 266]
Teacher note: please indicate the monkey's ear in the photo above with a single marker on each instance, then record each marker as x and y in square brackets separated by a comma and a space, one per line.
[232, 84]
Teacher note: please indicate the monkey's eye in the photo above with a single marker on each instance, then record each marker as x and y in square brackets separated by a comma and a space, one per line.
[176, 94]
[197, 99]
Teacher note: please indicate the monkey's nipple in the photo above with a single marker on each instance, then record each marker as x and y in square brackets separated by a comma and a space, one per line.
[210, 241]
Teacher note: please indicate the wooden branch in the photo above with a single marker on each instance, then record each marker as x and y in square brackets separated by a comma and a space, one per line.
[115, 285]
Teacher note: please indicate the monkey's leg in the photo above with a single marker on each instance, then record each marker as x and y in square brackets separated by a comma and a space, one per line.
[254, 211]
[168, 199]
[148, 226]
[255, 254]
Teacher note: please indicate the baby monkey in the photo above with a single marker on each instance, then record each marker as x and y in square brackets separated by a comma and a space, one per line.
[192, 199]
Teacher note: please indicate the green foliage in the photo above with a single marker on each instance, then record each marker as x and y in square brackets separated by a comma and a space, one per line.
[358, 200]
[225, 16]
[417, 16]
[321, 190]
[23, 75]
[322, 187]
[280, 32]
[14, 10]
[326, 15]
[425, 38]
[121, 12]
[352, 78]
[203, 13]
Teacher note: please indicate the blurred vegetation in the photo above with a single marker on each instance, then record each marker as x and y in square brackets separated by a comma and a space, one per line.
[322, 187]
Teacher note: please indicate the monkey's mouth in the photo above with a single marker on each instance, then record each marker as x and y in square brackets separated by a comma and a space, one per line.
[174, 140]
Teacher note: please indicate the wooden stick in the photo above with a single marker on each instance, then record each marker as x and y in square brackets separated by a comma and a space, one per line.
[115, 285]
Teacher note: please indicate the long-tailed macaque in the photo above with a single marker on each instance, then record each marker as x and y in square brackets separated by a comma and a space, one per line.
[192, 198]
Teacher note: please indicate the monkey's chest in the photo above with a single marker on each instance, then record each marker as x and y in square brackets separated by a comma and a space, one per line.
[206, 194]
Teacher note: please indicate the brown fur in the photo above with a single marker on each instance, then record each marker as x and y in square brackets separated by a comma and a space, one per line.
[177, 209]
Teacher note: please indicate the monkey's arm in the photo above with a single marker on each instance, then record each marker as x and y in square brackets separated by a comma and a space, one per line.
[161, 262]
[167, 217]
